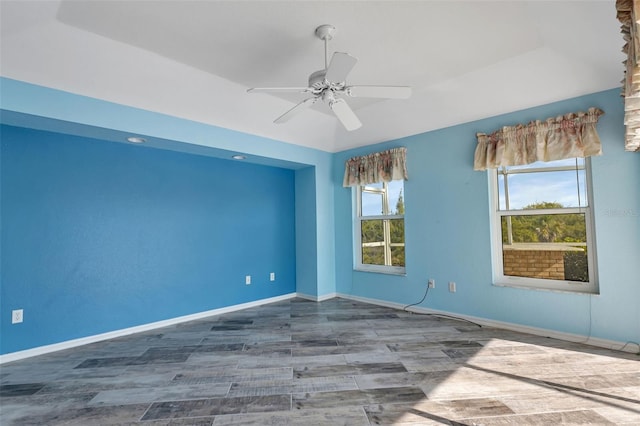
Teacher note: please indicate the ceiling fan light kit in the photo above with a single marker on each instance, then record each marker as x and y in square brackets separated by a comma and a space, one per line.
[329, 84]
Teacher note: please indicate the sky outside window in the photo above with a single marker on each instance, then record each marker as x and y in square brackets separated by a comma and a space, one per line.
[372, 203]
[565, 187]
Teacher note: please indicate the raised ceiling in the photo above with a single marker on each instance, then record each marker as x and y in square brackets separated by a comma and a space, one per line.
[465, 60]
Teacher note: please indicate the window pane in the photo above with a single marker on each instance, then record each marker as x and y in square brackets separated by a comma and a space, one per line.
[383, 242]
[544, 190]
[372, 204]
[396, 233]
[372, 242]
[373, 198]
[373, 255]
[396, 199]
[397, 256]
[372, 231]
[502, 203]
[545, 246]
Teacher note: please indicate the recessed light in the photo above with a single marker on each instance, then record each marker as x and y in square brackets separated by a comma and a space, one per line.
[136, 139]
[239, 157]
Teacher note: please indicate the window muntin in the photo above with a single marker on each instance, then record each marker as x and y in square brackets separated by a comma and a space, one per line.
[542, 226]
[380, 227]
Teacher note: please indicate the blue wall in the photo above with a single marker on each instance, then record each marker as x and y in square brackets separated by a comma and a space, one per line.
[99, 236]
[306, 233]
[448, 238]
[28, 105]
[142, 189]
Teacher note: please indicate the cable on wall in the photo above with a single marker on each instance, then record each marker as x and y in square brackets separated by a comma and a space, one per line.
[417, 303]
[424, 297]
[435, 314]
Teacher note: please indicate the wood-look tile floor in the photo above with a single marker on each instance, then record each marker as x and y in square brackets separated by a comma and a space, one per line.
[336, 362]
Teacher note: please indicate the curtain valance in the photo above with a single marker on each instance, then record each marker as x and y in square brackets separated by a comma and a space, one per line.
[382, 166]
[565, 136]
[629, 16]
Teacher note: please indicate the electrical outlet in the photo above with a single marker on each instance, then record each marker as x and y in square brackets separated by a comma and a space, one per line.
[247, 279]
[452, 287]
[432, 283]
[16, 316]
[272, 276]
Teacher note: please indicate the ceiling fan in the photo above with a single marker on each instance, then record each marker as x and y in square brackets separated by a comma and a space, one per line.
[329, 84]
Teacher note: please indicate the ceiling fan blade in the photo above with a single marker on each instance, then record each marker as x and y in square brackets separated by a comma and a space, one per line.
[340, 66]
[295, 110]
[390, 92]
[345, 114]
[278, 90]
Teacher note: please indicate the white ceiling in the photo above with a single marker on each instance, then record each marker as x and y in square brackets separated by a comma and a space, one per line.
[465, 60]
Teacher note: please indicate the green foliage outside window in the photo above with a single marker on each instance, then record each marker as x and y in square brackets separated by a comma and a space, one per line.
[546, 228]
[373, 240]
[552, 228]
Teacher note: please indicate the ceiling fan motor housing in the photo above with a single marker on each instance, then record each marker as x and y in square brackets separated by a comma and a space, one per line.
[317, 80]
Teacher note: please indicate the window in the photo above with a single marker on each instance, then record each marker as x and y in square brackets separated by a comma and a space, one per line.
[542, 227]
[379, 227]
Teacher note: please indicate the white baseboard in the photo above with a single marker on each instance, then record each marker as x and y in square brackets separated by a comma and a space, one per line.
[317, 298]
[569, 337]
[378, 302]
[41, 350]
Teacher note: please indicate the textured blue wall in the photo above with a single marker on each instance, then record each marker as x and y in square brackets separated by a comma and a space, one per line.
[99, 236]
[448, 237]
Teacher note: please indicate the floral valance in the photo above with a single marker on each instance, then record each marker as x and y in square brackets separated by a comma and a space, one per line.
[382, 166]
[566, 136]
[629, 16]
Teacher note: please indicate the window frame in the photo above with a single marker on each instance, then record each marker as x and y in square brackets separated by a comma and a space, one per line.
[357, 228]
[496, 215]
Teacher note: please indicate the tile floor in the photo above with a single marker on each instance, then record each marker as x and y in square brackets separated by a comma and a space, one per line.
[337, 362]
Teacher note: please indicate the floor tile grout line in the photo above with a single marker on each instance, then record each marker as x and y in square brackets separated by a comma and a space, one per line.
[146, 411]
[364, 412]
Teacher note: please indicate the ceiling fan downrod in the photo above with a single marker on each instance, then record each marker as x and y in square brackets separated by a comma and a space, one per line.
[325, 33]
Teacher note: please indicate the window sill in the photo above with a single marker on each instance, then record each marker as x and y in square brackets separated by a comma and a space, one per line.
[588, 292]
[384, 271]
